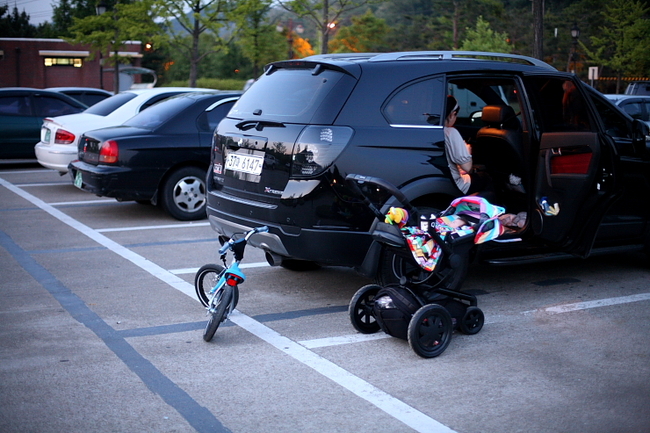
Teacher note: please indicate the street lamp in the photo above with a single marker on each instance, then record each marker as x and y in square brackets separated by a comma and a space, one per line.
[100, 8]
[575, 34]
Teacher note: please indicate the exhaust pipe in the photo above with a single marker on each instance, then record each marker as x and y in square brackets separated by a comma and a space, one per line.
[273, 259]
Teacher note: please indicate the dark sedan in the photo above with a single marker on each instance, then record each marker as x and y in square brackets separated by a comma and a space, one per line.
[22, 111]
[160, 155]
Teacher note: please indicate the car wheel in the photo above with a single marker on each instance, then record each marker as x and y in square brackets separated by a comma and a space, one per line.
[183, 194]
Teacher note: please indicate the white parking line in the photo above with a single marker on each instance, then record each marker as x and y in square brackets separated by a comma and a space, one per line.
[345, 339]
[158, 227]
[566, 308]
[382, 400]
[83, 202]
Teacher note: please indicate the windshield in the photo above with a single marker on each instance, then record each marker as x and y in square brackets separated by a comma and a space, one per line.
[294, 96]
[160, 113]
[108, 105]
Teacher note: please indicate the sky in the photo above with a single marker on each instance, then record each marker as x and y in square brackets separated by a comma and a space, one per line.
[39, 11]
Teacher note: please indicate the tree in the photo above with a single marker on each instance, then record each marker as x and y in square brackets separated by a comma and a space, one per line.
[623, 41]
[209, 16]
[483, 38]
[259, 39]
[323, 13]
[112, 29]
[366, 34]
[15, 24]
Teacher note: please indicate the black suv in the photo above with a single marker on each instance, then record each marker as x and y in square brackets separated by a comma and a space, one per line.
[281, 156]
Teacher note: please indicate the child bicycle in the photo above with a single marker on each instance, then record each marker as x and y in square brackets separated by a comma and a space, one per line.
[217, 287]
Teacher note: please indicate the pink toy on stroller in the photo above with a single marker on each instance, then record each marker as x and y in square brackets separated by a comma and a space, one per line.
[424, 315]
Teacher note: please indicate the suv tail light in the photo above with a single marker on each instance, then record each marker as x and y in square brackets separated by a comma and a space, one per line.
[63, 137]
[317, 148]
[108, 152]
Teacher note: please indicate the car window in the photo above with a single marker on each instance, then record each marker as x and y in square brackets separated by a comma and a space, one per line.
[300, 95]
[157, 99]
[474, 93]
[615, 123]
[634, 109]
[108, 105]
[160, 113]
[560, 105]
[47, 106]
[208, 120]
[15, 105]
[418, 103]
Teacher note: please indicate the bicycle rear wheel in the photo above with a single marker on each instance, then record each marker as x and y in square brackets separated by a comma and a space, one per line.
[220, 303]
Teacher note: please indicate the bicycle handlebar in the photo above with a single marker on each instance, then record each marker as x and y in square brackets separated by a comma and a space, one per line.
[228, 245]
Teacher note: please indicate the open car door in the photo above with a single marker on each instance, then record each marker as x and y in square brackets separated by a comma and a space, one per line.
[574, 182]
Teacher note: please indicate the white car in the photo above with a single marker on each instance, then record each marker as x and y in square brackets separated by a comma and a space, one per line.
[60, 135]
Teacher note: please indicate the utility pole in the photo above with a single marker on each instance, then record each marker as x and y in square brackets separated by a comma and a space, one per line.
[538, 26]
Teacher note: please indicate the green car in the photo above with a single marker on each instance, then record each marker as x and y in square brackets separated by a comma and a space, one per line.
[22, 111]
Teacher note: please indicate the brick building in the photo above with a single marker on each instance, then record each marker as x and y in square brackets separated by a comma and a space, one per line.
[43, 63]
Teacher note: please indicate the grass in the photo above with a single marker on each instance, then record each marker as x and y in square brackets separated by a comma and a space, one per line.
[212, 83]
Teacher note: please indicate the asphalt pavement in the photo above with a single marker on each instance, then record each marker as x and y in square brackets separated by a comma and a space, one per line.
[100, 331]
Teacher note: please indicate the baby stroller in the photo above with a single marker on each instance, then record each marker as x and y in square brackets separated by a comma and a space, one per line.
[424, 315]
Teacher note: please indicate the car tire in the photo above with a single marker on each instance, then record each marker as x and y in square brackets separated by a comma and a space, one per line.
[183, 194]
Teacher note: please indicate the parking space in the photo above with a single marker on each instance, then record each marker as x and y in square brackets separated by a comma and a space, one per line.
[100, 330]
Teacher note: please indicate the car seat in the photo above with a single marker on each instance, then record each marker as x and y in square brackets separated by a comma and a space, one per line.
[498, 146]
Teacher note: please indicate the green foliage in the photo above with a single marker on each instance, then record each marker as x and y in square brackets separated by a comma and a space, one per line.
[622, 42]
[259, 40]
[366, 34]
[15, 24]
[212, 83]
[483, 38]
[113, 28]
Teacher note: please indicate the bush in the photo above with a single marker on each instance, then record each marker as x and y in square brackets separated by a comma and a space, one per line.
[212, 83]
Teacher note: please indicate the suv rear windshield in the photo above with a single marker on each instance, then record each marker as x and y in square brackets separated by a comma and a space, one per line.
[301, 95]
[108, 105]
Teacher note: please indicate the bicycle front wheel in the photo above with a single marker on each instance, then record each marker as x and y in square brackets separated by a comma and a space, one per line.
[204, 281]
[220, 303]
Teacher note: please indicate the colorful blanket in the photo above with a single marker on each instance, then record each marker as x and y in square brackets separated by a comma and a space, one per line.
[465, 216]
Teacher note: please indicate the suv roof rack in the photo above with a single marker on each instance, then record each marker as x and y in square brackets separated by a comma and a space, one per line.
[433, 55]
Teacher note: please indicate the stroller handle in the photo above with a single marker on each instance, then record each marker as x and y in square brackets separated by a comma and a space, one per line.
[392, 189]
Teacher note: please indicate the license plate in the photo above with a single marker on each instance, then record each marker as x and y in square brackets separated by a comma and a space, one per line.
[251, 164]
[78, 182]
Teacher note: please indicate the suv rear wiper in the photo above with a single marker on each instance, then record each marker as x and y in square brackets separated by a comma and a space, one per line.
[258, 124]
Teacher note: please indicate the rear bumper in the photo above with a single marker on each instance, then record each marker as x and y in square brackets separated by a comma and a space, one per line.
[56, 156]
[108, 181]
[326, 247]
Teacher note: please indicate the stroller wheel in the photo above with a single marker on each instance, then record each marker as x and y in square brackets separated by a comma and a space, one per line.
[472, 321]
[361, 311]
[429, 331]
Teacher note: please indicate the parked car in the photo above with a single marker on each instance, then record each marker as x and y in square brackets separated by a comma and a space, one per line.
[638, 88]
[327, 116]
[60, 135]
[22, 111]
[86, 95]
[638, 107]
[160, 155]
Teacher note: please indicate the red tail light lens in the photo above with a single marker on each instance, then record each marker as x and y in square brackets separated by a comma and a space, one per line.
[63, 137]
[108, 153]
[233, 280]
